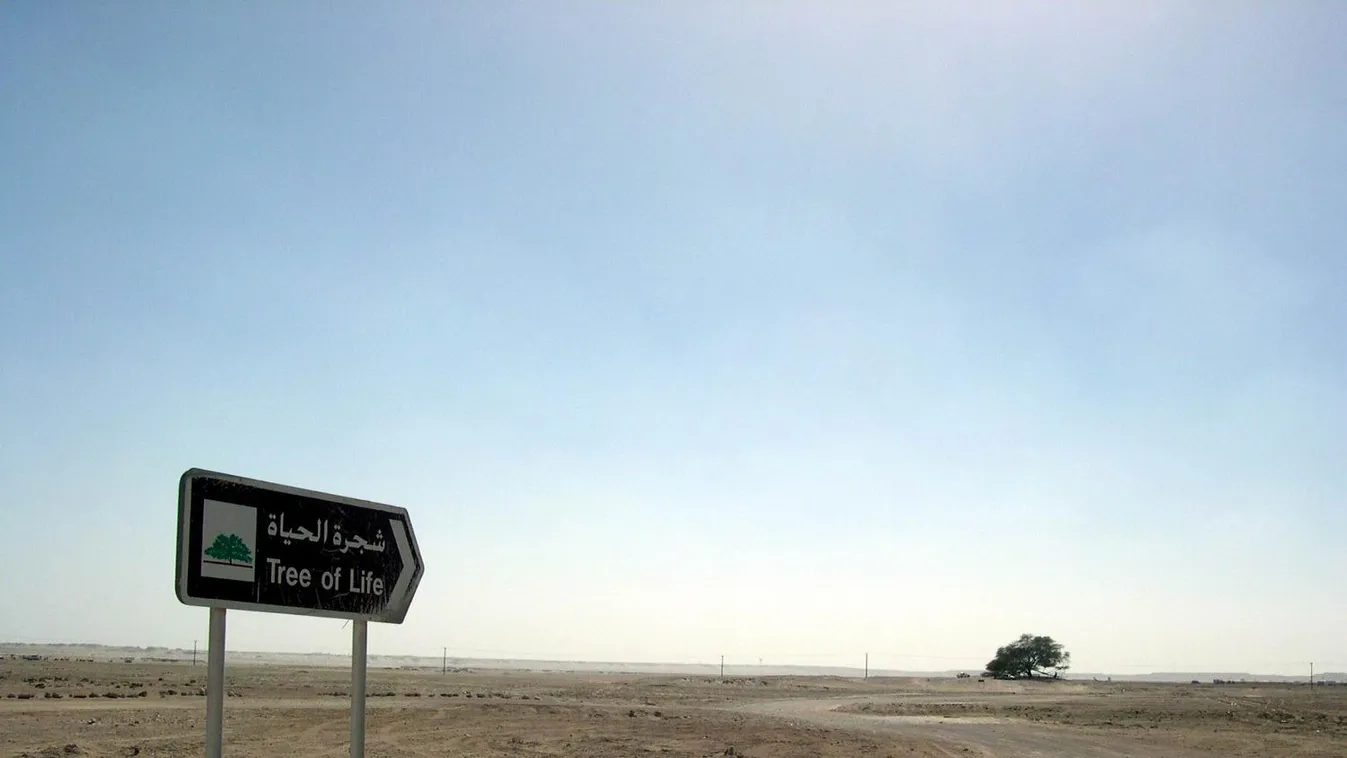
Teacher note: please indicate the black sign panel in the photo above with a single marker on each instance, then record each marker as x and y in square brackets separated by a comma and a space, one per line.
[267, 547]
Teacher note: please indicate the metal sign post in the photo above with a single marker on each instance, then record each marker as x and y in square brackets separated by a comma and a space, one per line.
[258, 546]
[215, 684]
[359, 638]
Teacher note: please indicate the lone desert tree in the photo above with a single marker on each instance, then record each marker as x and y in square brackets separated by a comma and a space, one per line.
[229, 548]
[1028, 657]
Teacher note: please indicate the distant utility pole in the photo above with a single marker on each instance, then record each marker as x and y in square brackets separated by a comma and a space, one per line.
[1311, 676]
[722, 667]
[193, 652]
[444, 662]
[867, 667]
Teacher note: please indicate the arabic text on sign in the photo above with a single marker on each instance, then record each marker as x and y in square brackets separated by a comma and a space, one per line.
[276, 528]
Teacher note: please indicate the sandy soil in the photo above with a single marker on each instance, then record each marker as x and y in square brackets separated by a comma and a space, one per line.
[60, 708]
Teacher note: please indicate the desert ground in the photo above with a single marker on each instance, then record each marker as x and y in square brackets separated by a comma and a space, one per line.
[54, 708]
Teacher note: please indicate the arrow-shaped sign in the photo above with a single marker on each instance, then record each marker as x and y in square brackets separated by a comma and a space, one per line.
[253, 545]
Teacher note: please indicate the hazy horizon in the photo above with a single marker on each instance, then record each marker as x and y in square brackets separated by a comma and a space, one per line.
[704, 668]
[766, 330]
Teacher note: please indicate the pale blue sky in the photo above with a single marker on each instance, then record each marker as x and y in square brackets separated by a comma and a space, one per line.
[780, 330]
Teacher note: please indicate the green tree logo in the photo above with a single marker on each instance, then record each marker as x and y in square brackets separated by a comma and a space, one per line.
[229, 548]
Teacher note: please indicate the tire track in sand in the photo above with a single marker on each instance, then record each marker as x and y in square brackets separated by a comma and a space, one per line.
[984, 737]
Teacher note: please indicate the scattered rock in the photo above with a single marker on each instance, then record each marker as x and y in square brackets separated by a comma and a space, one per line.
[55, 752]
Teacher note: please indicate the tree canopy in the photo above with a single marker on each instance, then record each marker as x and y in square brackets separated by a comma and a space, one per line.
[1028, 657]
[229, 548]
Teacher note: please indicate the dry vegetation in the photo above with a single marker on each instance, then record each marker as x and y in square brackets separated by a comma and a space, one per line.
[60, 708]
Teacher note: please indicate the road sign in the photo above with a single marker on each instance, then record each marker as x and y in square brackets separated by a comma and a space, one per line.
[258, 546]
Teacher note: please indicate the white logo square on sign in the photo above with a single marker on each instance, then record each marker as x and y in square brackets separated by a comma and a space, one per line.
[228, 541]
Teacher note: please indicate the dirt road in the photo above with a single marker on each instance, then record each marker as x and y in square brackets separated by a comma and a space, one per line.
[988, 736]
